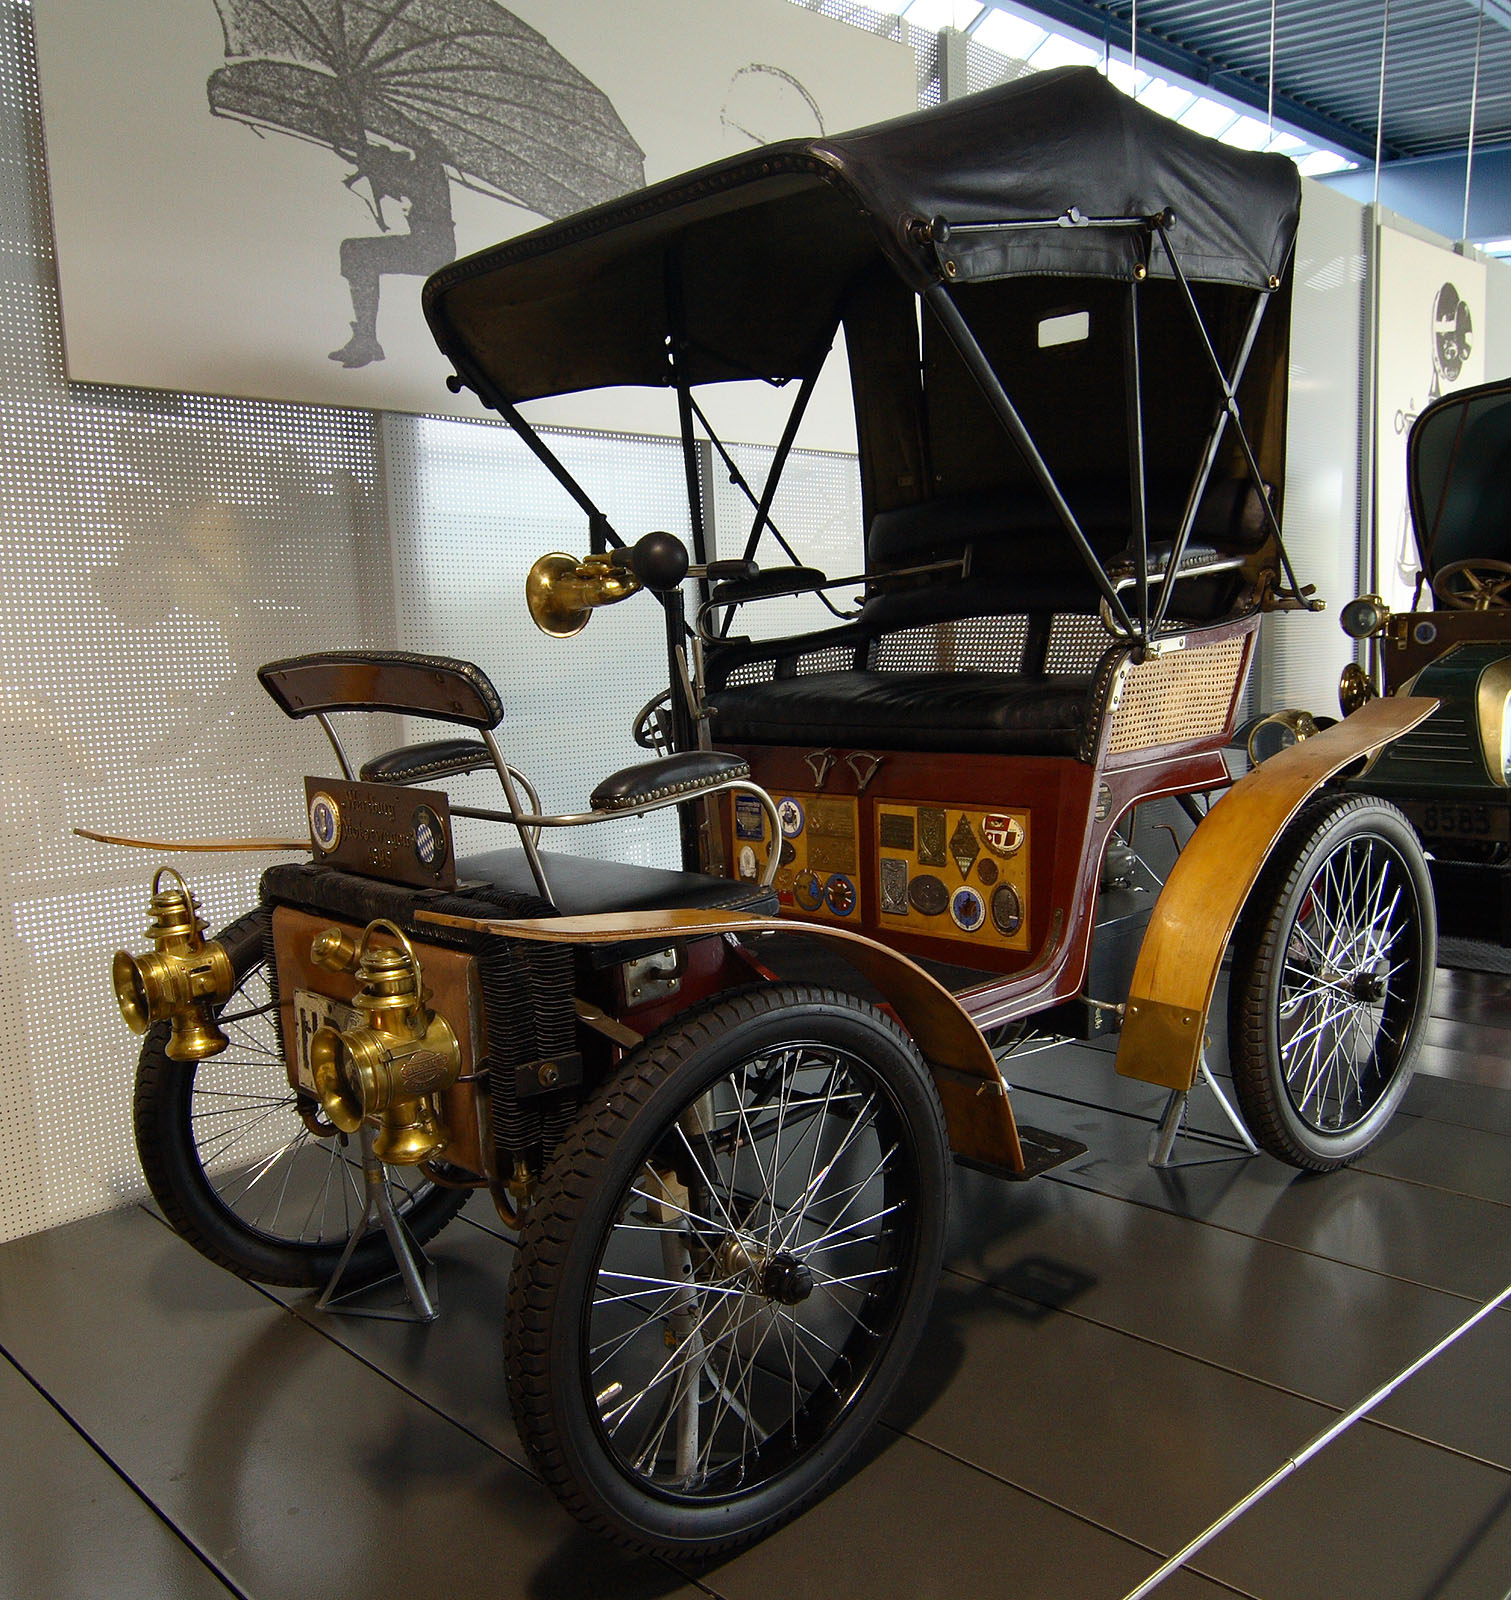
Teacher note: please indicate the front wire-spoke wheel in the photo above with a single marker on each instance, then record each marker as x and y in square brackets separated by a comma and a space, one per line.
[728, 1267]
[240, 1169]
[1332, 981]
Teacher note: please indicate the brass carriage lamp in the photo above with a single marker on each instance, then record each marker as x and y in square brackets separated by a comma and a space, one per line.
[391, 1069]
[180, 979]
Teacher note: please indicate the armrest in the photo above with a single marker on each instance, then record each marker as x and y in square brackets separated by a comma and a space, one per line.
[415, 763]
[681, 777]
[767, 585]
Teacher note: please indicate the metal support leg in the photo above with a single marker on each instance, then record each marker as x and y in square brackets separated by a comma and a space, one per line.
[1174, 1115]
[415, 1270]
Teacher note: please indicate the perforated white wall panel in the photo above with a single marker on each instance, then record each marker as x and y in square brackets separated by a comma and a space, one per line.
[154, 550]
[470, 510]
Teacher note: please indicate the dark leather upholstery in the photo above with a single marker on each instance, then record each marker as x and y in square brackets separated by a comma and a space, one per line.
[994, 713]
[420, 763]
[682, 775]
[582, 886]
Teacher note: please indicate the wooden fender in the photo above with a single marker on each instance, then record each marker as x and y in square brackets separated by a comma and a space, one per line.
[977, 1114]
[1194, 917]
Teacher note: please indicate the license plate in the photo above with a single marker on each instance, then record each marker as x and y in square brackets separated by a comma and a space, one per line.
[1451, 819]
[312, 1012]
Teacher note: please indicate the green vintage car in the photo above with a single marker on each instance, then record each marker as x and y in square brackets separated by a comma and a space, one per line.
[1451, 774]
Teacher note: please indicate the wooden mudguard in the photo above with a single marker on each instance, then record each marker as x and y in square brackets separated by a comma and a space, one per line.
[1196, 912]
[977, 1114]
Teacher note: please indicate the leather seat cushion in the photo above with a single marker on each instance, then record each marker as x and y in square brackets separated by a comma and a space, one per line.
[993, 713]
[582, 886]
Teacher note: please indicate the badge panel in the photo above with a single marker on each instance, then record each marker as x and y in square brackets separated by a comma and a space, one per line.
[382, 830]
[954, 873]
[818, 874]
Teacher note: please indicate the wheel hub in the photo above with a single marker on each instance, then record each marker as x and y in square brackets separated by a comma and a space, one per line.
[778, 1276]
[1368, 986]
[786, 1279]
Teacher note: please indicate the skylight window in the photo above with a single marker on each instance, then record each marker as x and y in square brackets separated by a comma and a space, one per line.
[1210, 117]
[1019, 34]
[1009, 35]
[1169, 99]
[1059, 51]
[936, 14]
[1321, 162]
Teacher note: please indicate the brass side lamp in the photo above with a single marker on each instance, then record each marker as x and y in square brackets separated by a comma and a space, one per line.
[390, 1070]
[180, 979]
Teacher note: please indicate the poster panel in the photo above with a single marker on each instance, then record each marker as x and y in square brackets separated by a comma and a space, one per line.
[248, 194]
[1430, 332]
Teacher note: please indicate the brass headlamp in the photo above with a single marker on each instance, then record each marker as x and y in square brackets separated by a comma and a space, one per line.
[180, 980]
[390, 1070]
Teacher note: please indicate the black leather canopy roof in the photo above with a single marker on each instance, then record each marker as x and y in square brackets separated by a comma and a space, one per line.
[748, 261]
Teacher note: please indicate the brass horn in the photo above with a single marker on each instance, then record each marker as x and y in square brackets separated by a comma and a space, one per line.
[180, 979]
[562, 591]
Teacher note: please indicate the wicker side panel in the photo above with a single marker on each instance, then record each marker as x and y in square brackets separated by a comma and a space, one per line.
[1186, 694]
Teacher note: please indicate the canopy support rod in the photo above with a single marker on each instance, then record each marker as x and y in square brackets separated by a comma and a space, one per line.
[1229, 386]
[675, 348]
[779, 460]
[601, 533]
[960, 335]
[1134, 388]
[762, 503]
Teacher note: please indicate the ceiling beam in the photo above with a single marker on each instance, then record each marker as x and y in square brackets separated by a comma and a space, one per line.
[1089, 17]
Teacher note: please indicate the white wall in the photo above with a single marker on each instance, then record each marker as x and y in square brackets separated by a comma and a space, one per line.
[1497, 332]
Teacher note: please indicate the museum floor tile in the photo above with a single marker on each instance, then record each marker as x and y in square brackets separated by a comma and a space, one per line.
[1116, 1355]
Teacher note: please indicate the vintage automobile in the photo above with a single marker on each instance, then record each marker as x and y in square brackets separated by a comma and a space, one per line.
[719, 1104]
[1451, 775]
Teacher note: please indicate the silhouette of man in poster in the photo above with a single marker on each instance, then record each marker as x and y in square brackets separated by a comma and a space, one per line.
[416, 178]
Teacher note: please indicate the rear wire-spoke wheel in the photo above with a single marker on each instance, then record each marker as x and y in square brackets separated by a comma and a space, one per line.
[1332, 981]
[728, 1268]
[236, 1168]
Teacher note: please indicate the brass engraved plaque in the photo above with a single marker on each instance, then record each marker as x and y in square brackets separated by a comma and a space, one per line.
[895, 830]
[931, 837]
[831, 836]
[964, 845]
[894, 886]
[382, 830]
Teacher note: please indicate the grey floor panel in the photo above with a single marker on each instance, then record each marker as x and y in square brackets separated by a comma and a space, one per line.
[455, 1363]
[915, 1523]
[295, 1470]
[1155, 1447]
[1467, 1161]
[1260, 1309]
[1464, 1105]
[1424, 1235]
[1363, 1519]
[70, 1528]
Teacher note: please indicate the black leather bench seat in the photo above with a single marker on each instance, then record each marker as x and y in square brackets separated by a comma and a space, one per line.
[585, 887]
[991, 713]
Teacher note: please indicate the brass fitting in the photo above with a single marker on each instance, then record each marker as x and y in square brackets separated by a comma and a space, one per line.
[391, 1070]
[180, 980]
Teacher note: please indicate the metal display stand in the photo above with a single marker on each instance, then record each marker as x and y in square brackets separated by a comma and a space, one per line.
[415, 1271]
[1172, 1119]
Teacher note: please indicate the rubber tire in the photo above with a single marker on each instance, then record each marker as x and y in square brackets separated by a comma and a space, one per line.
[1326, 822]
[179, 1184]
[561, 1245]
